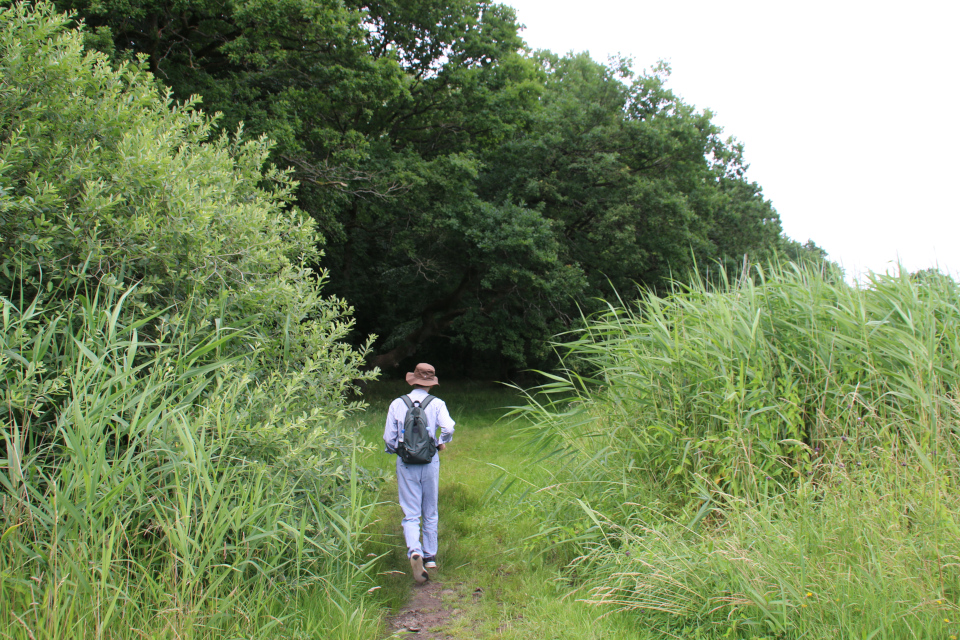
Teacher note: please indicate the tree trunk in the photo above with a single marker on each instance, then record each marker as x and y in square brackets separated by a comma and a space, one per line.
[437, 316]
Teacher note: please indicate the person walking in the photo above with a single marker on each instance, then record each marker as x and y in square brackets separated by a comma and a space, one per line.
[419, 482]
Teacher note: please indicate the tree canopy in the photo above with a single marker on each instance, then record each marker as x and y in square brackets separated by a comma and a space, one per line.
[472, 193]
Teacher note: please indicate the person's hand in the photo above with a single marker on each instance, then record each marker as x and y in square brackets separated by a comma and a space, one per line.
[441, 447]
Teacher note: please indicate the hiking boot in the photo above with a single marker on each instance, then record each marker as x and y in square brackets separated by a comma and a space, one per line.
[419, 573]
[429, 562]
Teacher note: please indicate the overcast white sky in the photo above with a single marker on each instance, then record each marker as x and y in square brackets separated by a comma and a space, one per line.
[848, 110]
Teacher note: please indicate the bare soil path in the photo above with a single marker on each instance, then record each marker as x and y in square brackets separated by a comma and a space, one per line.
[432, 609]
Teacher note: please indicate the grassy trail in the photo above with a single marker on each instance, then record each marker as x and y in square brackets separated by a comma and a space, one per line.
[494, 583]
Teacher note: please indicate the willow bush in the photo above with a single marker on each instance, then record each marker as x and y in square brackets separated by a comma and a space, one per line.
[174, 381]
[777, 454]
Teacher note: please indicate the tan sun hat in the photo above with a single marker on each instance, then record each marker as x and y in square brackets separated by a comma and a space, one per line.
[424, 375]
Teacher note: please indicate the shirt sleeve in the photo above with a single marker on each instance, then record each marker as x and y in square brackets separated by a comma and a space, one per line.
[445, 422]
[391, 430]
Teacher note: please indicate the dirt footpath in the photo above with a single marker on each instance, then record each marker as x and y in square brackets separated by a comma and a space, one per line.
[431, 611]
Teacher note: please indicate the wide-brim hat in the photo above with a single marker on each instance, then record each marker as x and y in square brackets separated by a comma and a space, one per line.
[424, 375]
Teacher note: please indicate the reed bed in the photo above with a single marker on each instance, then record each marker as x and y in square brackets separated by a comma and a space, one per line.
[154, 485]
[775, 456]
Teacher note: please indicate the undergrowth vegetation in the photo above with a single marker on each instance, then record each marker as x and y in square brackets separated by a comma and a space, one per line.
[144, 491]
[774, 457]
[175, 461]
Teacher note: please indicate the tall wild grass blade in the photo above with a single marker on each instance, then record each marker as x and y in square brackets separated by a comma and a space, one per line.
[796, 437]
[138, 491]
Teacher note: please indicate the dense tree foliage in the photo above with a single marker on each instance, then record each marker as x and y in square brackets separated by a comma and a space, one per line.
[466, 187]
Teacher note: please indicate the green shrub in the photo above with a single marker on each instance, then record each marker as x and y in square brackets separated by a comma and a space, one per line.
[174, 381]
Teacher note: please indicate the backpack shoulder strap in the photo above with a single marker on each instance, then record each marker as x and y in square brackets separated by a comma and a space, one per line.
[426, 401]
[407, 401]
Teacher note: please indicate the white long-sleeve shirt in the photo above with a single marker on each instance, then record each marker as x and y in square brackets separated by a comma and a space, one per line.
[436, 414]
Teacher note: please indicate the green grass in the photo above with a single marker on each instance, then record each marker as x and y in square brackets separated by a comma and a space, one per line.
[615, 514]
[773, 458]
[489, 513]
[150, 489]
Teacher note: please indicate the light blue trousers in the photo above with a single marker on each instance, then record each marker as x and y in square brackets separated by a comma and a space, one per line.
[419, 486]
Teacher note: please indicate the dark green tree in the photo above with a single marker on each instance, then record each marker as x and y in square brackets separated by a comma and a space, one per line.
[469, 191]
[640, 185]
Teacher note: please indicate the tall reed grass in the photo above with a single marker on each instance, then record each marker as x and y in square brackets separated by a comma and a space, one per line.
[174, 381]
[775, 456]
[153, 487]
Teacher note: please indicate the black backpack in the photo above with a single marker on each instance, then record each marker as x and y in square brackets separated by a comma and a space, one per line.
[416, 445]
